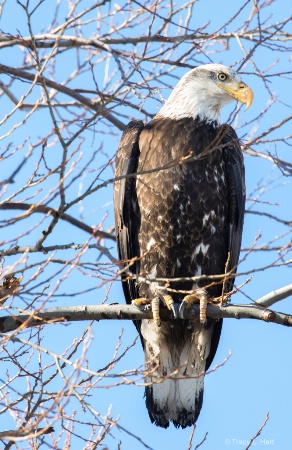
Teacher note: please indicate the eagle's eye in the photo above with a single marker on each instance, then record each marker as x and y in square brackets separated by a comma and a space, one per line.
[222, 76]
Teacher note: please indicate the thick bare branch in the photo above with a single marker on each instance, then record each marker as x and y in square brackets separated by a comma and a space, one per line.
[128, 312]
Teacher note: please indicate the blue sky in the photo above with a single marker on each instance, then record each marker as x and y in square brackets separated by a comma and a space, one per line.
[256, 379]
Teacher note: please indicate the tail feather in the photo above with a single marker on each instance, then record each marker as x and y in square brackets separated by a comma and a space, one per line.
[175, 357]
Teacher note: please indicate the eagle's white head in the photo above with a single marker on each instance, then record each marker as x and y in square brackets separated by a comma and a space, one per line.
[202, 92]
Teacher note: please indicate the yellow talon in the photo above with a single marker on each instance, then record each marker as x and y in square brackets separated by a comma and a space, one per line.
[190, 299]
[140, 301]
[201, 296]
[168, 301]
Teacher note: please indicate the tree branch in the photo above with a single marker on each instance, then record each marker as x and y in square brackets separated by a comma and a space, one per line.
[275, 296]
[116, 311]
[47, 210]
[39, 79]
[47, 40]
[14, 435]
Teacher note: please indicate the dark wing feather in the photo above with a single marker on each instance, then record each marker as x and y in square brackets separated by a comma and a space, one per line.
[236, 180]
[127, 215]
[235, 173]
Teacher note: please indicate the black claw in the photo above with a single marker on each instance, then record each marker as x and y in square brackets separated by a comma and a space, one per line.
[175, 310]
[181, 309]
[190, 325]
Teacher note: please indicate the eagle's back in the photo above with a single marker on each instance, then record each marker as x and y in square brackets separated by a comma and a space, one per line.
[183, 202]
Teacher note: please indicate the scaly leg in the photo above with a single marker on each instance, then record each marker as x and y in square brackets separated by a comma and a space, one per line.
[199, 295]
[167, 301]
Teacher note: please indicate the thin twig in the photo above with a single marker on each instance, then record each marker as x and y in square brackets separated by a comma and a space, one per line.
[258, 433]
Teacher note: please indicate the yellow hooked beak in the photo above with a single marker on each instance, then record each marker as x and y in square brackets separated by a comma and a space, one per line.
[240, 92]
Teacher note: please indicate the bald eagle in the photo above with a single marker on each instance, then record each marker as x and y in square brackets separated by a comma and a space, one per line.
[179, 207]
